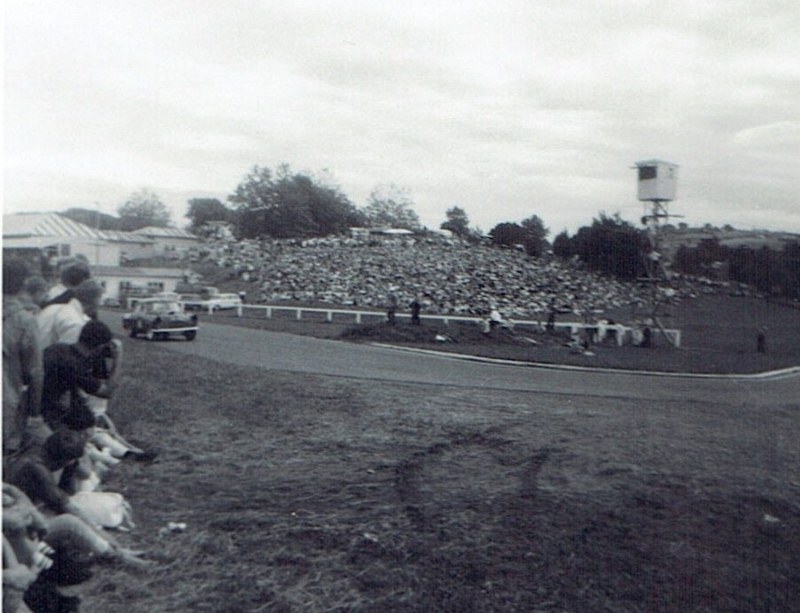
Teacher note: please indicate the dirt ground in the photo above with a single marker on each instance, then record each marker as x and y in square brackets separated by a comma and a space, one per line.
[309, 493]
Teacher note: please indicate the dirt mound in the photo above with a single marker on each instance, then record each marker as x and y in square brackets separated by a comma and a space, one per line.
[441, 334]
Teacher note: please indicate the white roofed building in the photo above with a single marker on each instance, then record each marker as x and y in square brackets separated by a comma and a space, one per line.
[169, 240]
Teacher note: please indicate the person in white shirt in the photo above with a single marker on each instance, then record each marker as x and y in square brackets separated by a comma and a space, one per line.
[62, 323]
[73, 273]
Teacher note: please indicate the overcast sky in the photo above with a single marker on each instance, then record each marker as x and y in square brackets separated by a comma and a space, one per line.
[505, 108]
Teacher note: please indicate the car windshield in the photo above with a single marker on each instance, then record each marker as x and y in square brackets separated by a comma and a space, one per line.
[165, 307]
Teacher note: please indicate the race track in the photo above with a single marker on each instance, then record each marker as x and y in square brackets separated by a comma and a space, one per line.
[286, 352]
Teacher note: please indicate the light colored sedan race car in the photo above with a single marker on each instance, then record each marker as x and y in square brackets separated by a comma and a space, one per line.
[159, 319]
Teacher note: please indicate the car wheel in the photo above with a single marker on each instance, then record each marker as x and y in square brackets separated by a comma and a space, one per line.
[189, 336]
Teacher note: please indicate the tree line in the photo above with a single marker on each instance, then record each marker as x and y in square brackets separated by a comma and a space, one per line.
[282, 203]
[770, 271]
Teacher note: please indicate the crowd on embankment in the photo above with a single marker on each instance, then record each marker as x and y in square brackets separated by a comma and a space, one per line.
[445, 276]
[60, 369]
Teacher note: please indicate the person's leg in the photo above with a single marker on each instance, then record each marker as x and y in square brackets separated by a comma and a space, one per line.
[68, 531]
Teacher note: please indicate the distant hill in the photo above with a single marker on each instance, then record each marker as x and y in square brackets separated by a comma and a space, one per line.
[727, 236]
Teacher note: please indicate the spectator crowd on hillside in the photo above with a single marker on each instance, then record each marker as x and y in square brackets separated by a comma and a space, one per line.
[444, 276]
[60, 368]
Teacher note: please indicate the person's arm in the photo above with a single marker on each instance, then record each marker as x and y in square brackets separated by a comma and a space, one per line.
[116, 359]
[32, 367]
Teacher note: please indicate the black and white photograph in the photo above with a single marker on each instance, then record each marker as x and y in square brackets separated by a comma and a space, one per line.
[351, 306]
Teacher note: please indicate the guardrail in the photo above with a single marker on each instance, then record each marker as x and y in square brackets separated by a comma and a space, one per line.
[620, 333]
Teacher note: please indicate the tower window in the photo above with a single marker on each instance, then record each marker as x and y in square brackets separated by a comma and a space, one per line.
[647, 172]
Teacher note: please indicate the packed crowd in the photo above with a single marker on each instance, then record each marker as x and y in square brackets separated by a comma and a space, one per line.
[446, 277]
[60, 369]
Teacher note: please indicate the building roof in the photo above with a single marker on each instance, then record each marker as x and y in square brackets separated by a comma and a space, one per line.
[155, 232]
[28, 225]
[118, 236]
[130, 271]
[30, 229]
[654, 162]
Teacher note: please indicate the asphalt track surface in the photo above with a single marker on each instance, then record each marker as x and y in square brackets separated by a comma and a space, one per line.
[291, 353]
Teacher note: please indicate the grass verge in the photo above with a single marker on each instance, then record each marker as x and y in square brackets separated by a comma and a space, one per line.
[310, 493]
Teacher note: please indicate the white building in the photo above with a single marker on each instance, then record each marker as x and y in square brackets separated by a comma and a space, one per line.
[169, 241]
[47, 238]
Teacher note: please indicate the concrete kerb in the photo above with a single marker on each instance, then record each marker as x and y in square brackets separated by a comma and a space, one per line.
[766, 375]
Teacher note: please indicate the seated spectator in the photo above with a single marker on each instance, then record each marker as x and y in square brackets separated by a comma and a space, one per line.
[25, 554]
[36, 472]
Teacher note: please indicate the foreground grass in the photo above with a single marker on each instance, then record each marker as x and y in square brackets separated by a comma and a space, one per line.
[305, 493]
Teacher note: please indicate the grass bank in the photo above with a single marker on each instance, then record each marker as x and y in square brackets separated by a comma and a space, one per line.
[311, 493]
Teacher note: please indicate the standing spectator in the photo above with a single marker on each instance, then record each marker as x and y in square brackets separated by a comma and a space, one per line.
[415, 310]
[391, 306]
[63, 322]
[761, 340]
[34, 294]
[22, 362]
[73, 273]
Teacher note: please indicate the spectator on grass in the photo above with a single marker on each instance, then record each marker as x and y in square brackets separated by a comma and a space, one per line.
[415, 307]
[25, 554]
[761, 340]
[63, 322]
[34, 294]
[22, 363]
[70, 372]
[73, 273]
[391, 306]
[78, 379]
[37, 472]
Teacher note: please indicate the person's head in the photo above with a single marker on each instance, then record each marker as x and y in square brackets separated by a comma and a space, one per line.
[36, 288]
[95, 337]
[14, 274]
[64, 447]
[75, 273]
[88, 293]
[79, 418]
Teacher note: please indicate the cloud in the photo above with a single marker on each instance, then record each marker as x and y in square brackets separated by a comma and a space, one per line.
[508, 108]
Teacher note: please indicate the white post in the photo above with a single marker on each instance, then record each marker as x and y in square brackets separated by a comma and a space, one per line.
[239, 310]
[299, 314]
[358, 317]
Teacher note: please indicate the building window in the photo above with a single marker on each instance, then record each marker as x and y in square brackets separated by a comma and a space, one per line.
[647, 172]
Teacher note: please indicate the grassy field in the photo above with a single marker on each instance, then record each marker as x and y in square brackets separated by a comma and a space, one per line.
[310, 493]
[718, 336]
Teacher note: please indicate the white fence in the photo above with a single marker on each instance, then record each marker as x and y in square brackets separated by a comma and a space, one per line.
[620, 333]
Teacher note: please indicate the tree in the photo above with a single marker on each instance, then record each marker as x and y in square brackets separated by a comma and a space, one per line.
[535, 235]
[203, 210]
[507, 234]
[457, 222]
[562, 245]
[612, 246]
[390, 205]
[142, 209]
[287, 204]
